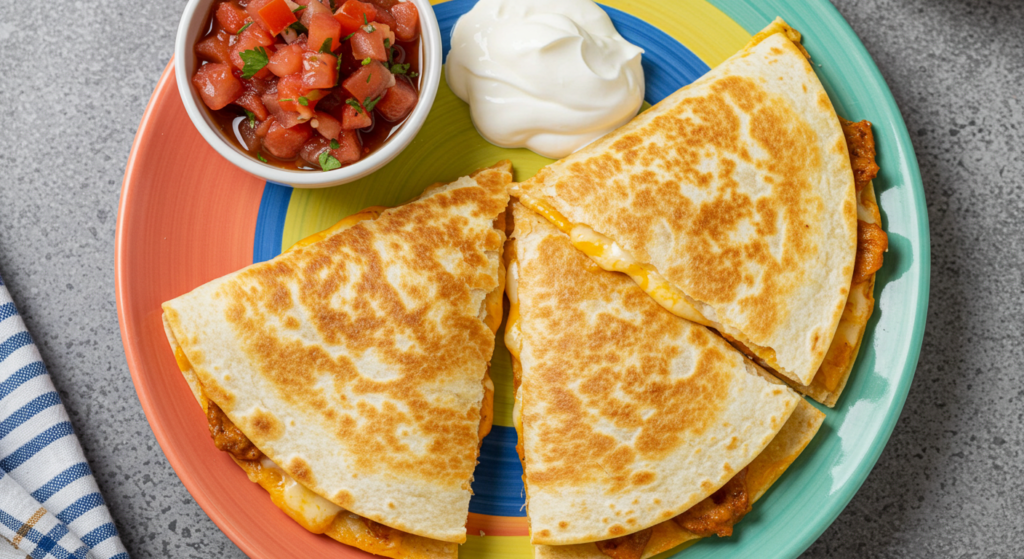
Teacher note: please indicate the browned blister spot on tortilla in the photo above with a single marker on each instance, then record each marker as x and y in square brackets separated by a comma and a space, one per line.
[394, 305]
[264, 426]
[300, 470]
[596, 374]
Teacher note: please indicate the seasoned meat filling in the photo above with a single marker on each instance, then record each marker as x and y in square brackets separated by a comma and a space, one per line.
[871, 244]
[861, 143]
[626, 547]
[229, 438]
[718, 513]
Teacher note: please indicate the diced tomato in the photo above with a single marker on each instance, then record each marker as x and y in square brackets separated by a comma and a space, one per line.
[349, 24]
[216, 48]
[264, 127]
[328, 126]
[368, 82]
[321, 28]
[247, 131]
[254, 36]
[384, 16]
[351, 150]
[354, 119]
[398, 101]
[320, 70]
[287, 60]
[311, 150]
[289, 89]
[285, 118]
[408, 19]
[285, 143]
[386, 4]
[252, 99]
[230, 16]
[277, 16]
[217, 85]
[253, 8]
[358, 10]
[369, 45]
[388, 34]
[313, 8]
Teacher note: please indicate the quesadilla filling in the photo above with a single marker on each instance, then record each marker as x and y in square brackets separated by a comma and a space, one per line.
[721, 511]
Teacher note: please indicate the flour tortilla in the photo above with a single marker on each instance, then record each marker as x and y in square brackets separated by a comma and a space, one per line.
[629, 414]
[356, 363]
[737, 191]
[762, 472]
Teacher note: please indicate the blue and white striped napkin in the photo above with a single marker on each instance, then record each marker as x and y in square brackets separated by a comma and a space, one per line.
[50, 505]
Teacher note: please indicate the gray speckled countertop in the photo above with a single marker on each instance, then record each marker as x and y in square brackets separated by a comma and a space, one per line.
[949, 484]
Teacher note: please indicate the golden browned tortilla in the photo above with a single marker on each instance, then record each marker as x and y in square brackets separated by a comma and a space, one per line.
[731, 201]
[356, 363]
[762, 472]
[628, 414]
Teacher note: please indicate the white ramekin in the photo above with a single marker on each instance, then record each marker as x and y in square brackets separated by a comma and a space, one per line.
[193, 22]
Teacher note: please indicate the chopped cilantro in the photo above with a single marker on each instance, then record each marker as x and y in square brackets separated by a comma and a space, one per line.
[413, 74]
[371, 103]
[260, 157]
[368, 77]
[255, 60]
[244, 27]
[328, 162]
[365, 22]
[367, 60]
[304, 101]
[252, 118]
[299, 8]
[399, 68]
[354, 104]
[335, 144]
[349, 36]
[286, 100]
[298, 27]
[326, 47]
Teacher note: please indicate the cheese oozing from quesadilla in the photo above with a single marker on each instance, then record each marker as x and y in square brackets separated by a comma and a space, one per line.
[400, 307]
[731, 201]
[629, 416]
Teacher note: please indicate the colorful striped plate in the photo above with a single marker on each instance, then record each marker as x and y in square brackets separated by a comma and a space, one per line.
[188, 216]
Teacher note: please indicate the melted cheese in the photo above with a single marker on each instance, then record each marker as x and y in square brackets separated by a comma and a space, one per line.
[612, 257]
[775, 27]
[369, 213]
[311, 511]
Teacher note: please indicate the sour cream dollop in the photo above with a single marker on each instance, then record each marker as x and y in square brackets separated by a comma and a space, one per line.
[548, 75]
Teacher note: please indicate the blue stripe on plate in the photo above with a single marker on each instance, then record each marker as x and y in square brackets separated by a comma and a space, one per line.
[100, 534]
[28, 411]
[497, 483]
[60, 481]
[31, 448]
[270, 221]
[80, 507]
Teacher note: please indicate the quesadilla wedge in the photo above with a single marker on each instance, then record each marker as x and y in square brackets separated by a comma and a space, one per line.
[629, 416]
[348, 376]
[762, 472]
[732, 202]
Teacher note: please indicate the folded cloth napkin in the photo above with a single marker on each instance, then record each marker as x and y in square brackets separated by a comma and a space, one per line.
[50, 505]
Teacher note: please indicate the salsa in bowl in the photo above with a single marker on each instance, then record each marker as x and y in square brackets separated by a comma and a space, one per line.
[308, 93]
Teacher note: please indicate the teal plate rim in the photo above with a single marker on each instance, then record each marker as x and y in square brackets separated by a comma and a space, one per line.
[858, 91]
